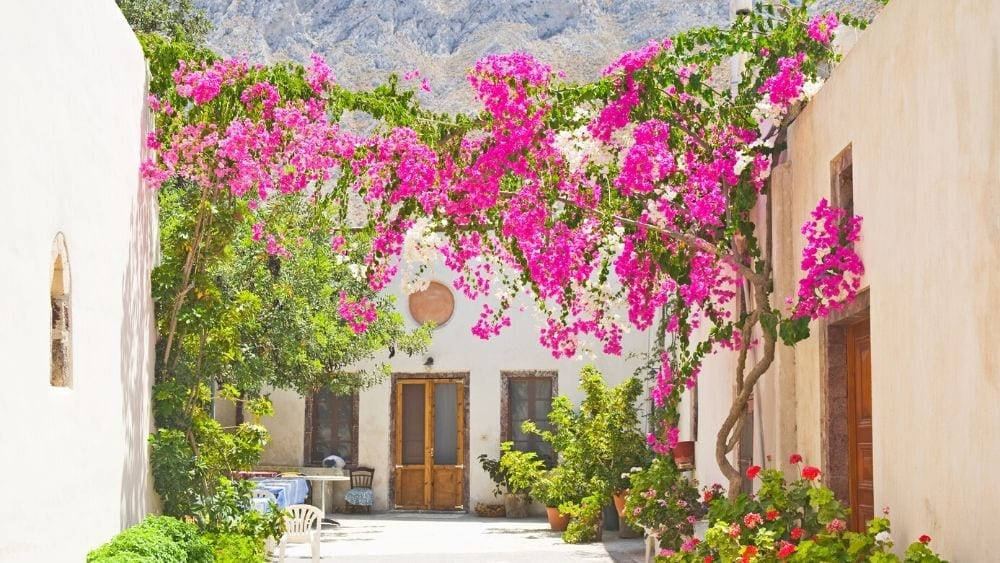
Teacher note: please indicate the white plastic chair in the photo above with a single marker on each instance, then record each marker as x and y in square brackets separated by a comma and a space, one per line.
[302, 524]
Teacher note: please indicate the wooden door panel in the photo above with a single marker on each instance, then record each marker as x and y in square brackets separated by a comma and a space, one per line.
[446, 487]
[410, 487]
[859, 402]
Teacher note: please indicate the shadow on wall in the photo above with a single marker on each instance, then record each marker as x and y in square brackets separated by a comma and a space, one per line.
[137, 333]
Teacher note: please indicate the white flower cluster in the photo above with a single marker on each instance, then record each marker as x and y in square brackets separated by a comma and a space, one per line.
[580, 149]
[613, 245]
[765, 111]
[420, 247]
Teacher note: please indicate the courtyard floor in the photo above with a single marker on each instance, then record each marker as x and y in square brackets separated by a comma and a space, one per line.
[421, 537]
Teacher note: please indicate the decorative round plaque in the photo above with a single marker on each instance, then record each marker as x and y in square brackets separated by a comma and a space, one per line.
[432, 305]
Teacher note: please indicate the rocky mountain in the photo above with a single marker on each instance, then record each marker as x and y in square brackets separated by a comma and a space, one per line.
[365, 40]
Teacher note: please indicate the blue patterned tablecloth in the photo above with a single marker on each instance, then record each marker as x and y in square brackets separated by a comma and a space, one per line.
[287, 491]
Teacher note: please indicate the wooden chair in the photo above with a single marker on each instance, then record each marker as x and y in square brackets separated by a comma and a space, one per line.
[360, 493]
[302, 524]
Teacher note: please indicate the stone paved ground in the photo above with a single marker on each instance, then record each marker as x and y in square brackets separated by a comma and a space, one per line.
[452, 538]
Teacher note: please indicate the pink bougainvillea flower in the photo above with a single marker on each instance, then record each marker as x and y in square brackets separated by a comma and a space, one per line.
[822, 26]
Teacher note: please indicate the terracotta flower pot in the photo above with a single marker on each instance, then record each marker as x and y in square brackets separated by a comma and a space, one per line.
[619, 499]
[557, 521]
[683, 454]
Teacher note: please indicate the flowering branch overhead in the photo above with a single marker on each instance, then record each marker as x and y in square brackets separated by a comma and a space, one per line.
[634, 193]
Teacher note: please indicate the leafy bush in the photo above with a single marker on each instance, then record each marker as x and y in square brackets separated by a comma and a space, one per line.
[501, 483]
[798, 521]
[235, 548]
[229, 511]
[160, 539]
[586, 518]
[594, 445]
[661, 498]
[521, 470]
[559, 485]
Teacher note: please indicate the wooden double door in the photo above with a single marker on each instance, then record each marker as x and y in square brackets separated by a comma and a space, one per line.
[859, 428]
[430, 443]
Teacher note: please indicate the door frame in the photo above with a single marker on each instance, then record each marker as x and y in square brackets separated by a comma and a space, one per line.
[834, 405]
[463, 377]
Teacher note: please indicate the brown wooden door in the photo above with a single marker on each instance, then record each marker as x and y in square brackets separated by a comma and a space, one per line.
[859, 413]
[430, 442]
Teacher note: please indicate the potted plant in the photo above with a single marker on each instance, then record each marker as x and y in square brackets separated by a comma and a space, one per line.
[597, 442]
[521, 471]
[554, 488]
[663, 501]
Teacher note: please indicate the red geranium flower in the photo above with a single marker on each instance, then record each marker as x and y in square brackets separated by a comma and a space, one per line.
[795, 458]
[810, 472]
[752, 520]
[771, 515]
[787, 549]
[797, 533]
[748, 552]
[708, 496]
[708, 559]
[925, 539]
[752, 471]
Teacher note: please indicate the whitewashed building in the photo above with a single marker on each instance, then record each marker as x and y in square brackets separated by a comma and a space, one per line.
[894, 398]
[476, 391]
[77, 243]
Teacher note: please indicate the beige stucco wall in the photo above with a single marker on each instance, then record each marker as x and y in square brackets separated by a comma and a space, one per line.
[454, 349]
[72, 108]
[918, 98]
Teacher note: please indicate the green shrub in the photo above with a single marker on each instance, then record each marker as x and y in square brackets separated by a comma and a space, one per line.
[234, 548]
[160, 539]
[139, 544]
[586, 519]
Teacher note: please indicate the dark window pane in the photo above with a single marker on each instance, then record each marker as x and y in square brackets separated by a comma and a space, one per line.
[413, 424]
[530, 399]
[333, 426]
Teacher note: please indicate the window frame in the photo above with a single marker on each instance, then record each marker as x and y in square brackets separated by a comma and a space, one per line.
[506, 376]
[309, 431]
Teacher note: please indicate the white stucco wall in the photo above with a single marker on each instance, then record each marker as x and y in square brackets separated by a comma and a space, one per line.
[918, 99]
[454, 349]
[72, 109]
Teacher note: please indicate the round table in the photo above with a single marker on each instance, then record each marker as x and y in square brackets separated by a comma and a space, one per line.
[323, 480]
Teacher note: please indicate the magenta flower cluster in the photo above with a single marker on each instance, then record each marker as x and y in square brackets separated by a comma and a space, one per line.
[516, 176]
[832, 267]
[822, 27]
